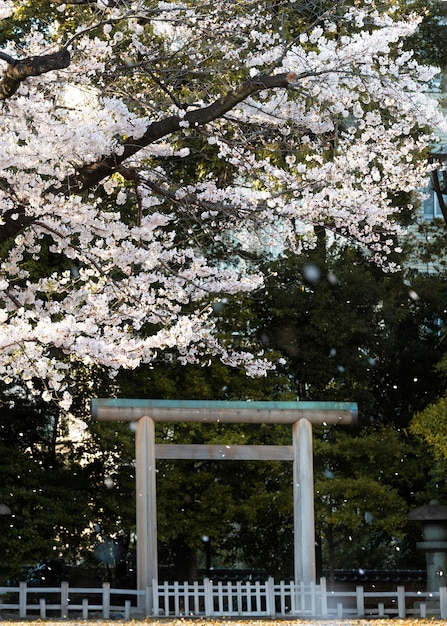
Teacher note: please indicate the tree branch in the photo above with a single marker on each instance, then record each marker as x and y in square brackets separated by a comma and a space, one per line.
[90, 175]
[19, 70]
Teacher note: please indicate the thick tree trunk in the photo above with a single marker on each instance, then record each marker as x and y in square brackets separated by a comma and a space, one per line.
[331, 555]
[185, 561]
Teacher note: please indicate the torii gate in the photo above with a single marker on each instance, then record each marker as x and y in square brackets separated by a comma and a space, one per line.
[301, 415]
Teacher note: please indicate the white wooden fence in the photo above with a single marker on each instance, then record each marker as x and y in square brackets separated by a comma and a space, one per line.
[218, 599]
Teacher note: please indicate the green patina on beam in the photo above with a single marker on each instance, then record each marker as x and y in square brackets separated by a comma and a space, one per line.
[224, 411]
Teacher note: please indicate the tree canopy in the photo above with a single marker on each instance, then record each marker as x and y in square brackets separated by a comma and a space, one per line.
[150, 163]
[150, 174]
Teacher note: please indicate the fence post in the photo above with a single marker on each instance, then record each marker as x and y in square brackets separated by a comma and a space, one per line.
[253, 595]
[293, 598]
[85, 608]
[127, 608]
[176, 592]
[443, 602]
[156, 602]
[186, 595]
[270, 597]
[106, 600]
[42, 608]
[313, 599]
[401, 602]
[360, 598]
[323, 591]
[230, 597]
[239, 597]
[151, 598]
[22, 599]
[208, 593]
[303, 598]
[64, 599]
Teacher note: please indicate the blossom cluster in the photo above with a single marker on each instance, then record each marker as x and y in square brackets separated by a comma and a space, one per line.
[114, 248]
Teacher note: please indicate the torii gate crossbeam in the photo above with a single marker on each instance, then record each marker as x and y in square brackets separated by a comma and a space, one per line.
[301, 415]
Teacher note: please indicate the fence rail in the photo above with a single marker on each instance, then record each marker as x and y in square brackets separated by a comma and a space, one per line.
[219, 599]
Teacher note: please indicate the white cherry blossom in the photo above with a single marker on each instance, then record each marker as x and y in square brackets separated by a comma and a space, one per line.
[118, 229]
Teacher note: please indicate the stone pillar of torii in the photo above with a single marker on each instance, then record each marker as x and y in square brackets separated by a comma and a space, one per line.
[301, 415]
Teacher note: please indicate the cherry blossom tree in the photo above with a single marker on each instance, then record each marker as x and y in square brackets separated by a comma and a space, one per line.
[150, 149]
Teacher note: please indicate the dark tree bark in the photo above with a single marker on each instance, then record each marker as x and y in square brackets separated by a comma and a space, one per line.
[19, 70]
[185, 561]
[89, 175]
